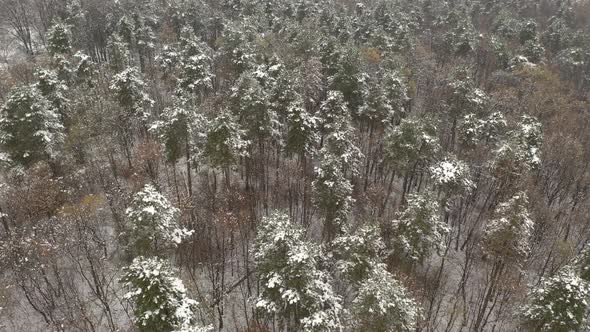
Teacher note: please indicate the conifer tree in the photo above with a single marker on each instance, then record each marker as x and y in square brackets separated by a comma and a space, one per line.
[357, 254]
[59, 41]
[383, 304]
[507, 235]
[160, 299]
[152, 224]
[30, 128]
[129, 90]
[418, 230]
[559, 304]
[293, 288]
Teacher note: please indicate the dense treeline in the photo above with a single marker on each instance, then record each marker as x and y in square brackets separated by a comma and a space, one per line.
[252, 165]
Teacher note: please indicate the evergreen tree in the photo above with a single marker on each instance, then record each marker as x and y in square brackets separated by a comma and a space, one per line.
[507, 235]
[54, 90]
[251, 103]
[59, 41]
[152, 223]
[519, 152]
[339, 139]
[332, 193]
[413, 141]
[195, 63]
[160, 299]
[119, 53]
[351, 81]
[129, 90]
[559, 304]
[226, 142]
[418, 230]
[383, 304]
[475, 130]
[85, 68]
[301, 128]
[30, 128]
[293, 288]
[452, 176]
[357, 254]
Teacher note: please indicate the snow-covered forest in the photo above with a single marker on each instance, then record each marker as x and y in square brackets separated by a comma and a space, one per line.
[295, 165]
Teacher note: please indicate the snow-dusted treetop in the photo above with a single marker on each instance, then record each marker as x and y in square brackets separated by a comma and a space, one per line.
[358, 253]
[452, 175]
[59, 39]
[293, 288]
[30, 128]
[418, 229]
[153, 223]
[160, 299]
[413, 140]
[474, 130]
[520, 151]
[383, 304]
[560, 303]
[129, 87]
[507, 235]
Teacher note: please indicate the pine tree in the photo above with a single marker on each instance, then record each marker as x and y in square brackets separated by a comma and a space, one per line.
[54, 90]
[293, 289]
[559, 304]
[226, 141]
[129, 90]
[387, 99]
[356, 254]
[340, 137]
[251, 103]
[452, 176]
[519, 152]
[332, 192]
[152, 224]
[301, 128]
[418, 230]
[383, 304]
[160, 299]
[507, 235]
[85, 68]
[475, 129]
[413, 141]
[119, 53]
[59, 41]
[30, 128]
[350, 80]
[195, 62]
[176, 128]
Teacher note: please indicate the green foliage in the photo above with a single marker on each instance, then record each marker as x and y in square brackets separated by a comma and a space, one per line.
[417, 230]
[383, 304]
[559, 304]
[59, 39]
[30, 128]
[356, 254]
[301, 128]
[452, 176]
[160, 299]
[129, 90]
[350, 80]
[293, 288]
[507, 236]
[153, 224]
[412, 141]
[54, 89]
[195, 63]
[225, 141]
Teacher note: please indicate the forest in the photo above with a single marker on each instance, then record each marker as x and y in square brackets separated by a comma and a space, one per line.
[295, 165]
